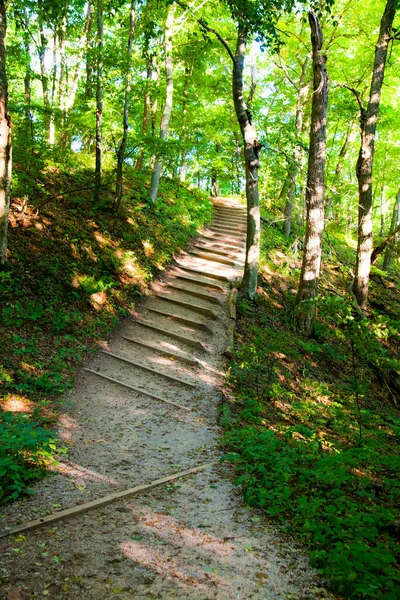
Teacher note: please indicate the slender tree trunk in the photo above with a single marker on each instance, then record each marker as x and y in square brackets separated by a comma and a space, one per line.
[51, 139]
[155, 179]
[308, 286]
[125, 119]
[5, 140]
[330, 201]
[369, 119]
[154, 104]
[43, 71]
[388, 244]
[88, 48]
[146, 107]
[251, 150]
[99, 101]
[289, 187]
[182, 175]
[69, 99]
[28, 81]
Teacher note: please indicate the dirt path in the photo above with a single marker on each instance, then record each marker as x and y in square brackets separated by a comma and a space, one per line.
[191, 537]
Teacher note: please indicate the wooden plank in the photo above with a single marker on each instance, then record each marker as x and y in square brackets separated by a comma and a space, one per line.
[195, 307]
[194, 293]
[214, 249]
[137, 390]
[168, 353]
[210, 284]
[146, 368]
[232, 298]
[176, 336]
[188, 322]
[217, 276]
[215, 258]
[99, 502]
[228, 243]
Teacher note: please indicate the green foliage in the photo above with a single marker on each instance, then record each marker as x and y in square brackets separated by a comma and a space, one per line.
[313, 430]
[25, 449]
[70, 281]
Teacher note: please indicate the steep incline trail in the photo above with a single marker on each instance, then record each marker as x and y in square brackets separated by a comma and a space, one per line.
[144, 408]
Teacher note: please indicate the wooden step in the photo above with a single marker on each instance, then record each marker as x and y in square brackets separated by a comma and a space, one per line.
[194, 293]
[146, 368]
[217, 276]
[176, 336]
[210, 284]
[188, 322]
[137, 390]
[186, 358]
[215, 258]
[190, 306]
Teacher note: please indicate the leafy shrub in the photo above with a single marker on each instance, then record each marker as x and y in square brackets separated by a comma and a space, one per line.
[25, 449]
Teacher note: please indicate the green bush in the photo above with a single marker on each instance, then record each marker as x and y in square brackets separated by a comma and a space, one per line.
[25, 449]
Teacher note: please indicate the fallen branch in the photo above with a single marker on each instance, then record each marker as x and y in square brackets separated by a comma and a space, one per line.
[383, 245]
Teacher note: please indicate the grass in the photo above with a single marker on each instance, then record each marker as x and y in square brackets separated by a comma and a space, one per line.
[74, 270]
[314, 429]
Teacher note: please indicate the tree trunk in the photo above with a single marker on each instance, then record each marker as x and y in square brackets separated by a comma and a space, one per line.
[155, 179]
[89, 67]
[52, 129]
[182, 175]
[392, 238]
[28, 81]
[308, 286]
[99, 101]
[125, 119]
[251, 150]
[68, 105]
[43, 71]
[369, 119]
[330, 201]
[5, 140]
[289, 187]
[146, 107]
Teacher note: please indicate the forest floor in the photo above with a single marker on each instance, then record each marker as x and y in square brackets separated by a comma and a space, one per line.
[189, 538]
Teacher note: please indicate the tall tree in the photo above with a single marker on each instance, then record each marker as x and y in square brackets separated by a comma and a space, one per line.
[368, 121]
[155, 179]
[289, 187]
[99, 101]
[5, 140]
[125, 119]
[308, 286]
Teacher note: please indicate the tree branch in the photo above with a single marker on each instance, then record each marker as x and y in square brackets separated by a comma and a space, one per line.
[383, 245]
[357, 95]
[206, 27]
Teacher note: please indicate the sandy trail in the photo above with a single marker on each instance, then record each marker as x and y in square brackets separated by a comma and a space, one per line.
[189, 538]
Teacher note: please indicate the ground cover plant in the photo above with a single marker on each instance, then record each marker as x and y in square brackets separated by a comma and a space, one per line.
[74, 270]
[314, 426]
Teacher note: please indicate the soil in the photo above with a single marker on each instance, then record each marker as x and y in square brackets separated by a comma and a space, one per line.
[192, 537]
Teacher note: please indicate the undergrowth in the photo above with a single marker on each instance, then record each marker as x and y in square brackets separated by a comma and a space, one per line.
[313, 428]
[74, 270]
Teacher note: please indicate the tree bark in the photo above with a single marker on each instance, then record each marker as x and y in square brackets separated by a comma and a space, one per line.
[369, 119]
[5, 140]
[125, 119]
[155, 179]
[99, 101]
[43, 71]
[308, 286]
[69, 100]
[289, 187]
[182, 175]
[392, 238]
[251, 151]
[146, 107]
